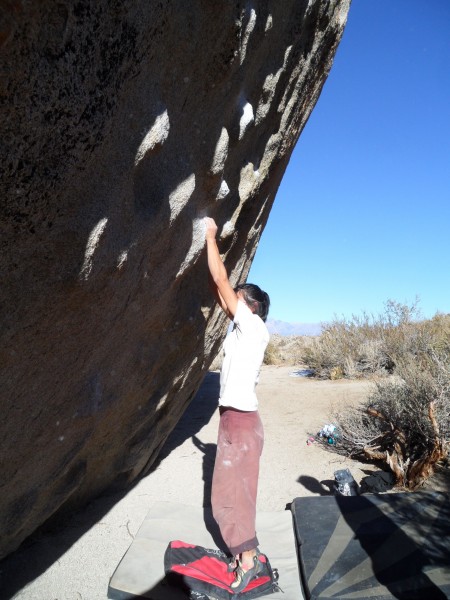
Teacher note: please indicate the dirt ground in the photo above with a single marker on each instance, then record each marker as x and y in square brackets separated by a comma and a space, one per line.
[77, 559]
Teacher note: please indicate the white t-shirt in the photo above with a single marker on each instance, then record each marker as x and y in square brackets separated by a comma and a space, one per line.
[244, 349]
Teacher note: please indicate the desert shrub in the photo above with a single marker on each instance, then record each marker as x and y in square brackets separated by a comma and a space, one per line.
[437, 330]
[346, 349]
[272, 354]
[285, 350]
[405, 421]
[292, 348]
[368, 345]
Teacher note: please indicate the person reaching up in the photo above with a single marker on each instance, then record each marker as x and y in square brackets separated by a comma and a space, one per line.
[241, 435]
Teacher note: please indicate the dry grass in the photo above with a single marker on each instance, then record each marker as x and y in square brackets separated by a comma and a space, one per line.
[286, 350]
[366, 346]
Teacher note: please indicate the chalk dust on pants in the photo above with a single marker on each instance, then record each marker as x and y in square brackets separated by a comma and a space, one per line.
[235, 479]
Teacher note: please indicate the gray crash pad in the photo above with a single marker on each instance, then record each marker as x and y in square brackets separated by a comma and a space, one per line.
[140, 574]
[374, 547]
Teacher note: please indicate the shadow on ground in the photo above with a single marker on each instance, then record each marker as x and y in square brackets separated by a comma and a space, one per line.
[49, 543]
[323, 488]
[197, 414]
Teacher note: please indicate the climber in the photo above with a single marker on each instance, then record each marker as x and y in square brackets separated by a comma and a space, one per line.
[241, 435]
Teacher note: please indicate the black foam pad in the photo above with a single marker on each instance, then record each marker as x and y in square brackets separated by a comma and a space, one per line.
[374, 546]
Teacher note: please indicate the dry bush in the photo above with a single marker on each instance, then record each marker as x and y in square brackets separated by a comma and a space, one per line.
[368, 345]
[285, 350]
[437, 330]
[272, 355]
[404, 422]
[346, 349]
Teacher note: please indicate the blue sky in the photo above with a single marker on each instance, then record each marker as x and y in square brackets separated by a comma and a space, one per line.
[363, 212]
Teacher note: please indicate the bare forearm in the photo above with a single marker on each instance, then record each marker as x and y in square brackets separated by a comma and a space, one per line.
[226, 295]
[215, 263]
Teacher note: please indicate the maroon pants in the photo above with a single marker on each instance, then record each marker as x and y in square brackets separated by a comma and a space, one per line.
[235, 478]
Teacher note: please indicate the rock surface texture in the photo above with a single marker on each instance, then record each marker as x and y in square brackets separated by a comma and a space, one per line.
[122, 125]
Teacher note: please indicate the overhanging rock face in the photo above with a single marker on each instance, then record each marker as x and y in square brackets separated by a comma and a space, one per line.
[123, 124]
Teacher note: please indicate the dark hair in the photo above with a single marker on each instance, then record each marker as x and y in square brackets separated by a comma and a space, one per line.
[255, 297]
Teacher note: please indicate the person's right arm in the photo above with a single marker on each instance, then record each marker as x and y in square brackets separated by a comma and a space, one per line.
[226, 295]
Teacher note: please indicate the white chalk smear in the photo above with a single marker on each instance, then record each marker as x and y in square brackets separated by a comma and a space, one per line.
[161, 403]
[91, 246]
[180, 196]
[223, 191]
[220, 153]
[157, 135]
[227, 230]
[247, 117]
[122, 259]
[198, 243]
[248, 30]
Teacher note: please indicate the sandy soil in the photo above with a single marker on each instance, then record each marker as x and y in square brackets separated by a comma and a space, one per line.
[76, 561]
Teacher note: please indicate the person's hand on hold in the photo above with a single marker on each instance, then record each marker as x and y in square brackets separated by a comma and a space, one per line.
[211, 228]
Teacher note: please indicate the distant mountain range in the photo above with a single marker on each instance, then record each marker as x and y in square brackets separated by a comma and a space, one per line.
[283, 328]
